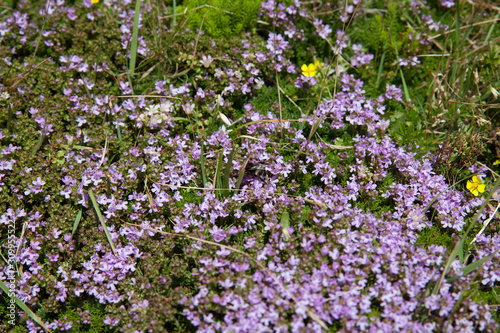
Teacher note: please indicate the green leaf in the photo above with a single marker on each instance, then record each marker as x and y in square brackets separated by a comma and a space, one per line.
[241, 174]
[135, 32]
[461, 253]
[98, 211]
[285, 222]
[469, 268]
[9, 118]
[174, 14]
[77, 147]
[77, 221]
[227, 172]
[22, 306]
[38, 145]
[202, 162]
[150, 198]
[119, 133]
[218, 180]
[285, 219]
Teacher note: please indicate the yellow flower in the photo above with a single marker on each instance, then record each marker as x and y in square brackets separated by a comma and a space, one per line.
[310, 70]
[317, 63]
[475, 186]
[95, 1]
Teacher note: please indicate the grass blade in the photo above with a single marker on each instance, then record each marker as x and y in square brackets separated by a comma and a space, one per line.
[492, 28]
[135, 33]
[150, 198]
[77, 221]
[285, 219]
[405, 87]
[202, 162]
[119, 133]
[98, 211]
[227, 172]
[217, 177]
[22, 306]
[38, 145]
[9, 119]
[242, 173]
[174, 13]
[457, 29]
[380, 67]
[460, 253]
[469, 268]
[285, 223]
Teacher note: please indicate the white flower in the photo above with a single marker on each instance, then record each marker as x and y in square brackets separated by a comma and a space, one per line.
[259, 83]
[218, 73]
[403, 62]
[156, 119]
[224, 130]
[166, 107]
[153, 109]
[4, 95]
[206, 61]
[188, 108]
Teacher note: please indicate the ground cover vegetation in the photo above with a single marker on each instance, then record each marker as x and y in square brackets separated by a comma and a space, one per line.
[249, 166]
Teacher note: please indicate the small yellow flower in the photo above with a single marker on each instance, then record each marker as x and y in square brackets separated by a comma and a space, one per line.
[95, 1]
[317, 63]
[310, 70]
[475, 186]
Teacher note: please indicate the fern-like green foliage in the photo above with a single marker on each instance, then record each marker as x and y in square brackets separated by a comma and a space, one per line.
[224, 18]
[390, 35]
[96, 316]
[378, 34]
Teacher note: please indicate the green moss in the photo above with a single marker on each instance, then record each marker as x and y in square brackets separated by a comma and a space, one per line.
[188, 196]
[434, 235]
[490, 296]
[85, 316]
[223, 18]
[267, 100]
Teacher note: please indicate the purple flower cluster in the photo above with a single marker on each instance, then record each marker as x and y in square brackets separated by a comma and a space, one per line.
[323, 30]
[348, 270]
[360, 57]
[283, 17]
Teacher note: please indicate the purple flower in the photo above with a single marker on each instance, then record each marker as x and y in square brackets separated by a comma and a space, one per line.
[323, 30]
[447, 3]
[276, 43]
